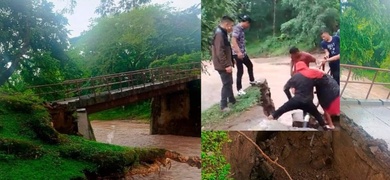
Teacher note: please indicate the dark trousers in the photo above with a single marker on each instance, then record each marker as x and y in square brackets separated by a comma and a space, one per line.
[240, 70]
[293, 104]
[335, 72]
[227, 88]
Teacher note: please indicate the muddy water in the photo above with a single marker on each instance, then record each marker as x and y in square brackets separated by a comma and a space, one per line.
[136, 134]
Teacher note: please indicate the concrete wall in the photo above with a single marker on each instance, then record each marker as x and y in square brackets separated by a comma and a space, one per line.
[177, 113]
[83, 124]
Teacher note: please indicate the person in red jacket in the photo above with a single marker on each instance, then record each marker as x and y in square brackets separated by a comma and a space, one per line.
[328, 91]
[302, 99]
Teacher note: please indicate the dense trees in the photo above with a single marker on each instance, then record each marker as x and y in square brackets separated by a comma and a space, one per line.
[31, 36]
[364, 30]
[133, 40]
[277, 23]
[35, 48]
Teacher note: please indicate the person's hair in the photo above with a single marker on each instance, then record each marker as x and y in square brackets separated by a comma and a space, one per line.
[324, 31]
[294, 50]
[225, 19]
[245, 18]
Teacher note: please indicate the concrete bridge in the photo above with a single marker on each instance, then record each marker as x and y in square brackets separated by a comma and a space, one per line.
[172, 90]
[366, 102]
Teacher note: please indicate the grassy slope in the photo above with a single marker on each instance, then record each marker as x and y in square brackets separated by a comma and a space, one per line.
[274, 47]
[214, 115]
[31, 149]
[139, 111]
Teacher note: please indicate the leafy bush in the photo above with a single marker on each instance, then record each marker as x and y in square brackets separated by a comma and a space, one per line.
[214, 165]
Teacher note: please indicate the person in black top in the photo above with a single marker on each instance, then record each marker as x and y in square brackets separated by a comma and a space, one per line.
[303, 97]
[223, 60]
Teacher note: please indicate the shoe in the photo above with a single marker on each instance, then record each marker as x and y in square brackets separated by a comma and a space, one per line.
[253, 83]
[330, 127]
[241, 92]
[233, 102]
[326, 128]
[226, 109]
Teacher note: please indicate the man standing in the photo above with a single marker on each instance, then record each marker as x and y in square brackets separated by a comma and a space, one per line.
[239, 52]
[296, 56]
[331, 45]
[223, 61]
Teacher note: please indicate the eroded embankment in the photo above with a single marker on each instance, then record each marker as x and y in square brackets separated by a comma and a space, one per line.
[31, 148]
[308, 155]
[350, 153]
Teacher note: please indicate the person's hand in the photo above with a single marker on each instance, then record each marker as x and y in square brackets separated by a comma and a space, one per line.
[229, 69]
[292, 90]
[326, 57]
[324, 61]
[240, 55]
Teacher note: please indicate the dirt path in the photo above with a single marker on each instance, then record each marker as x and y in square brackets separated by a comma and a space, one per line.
[359, 91]
[136, 134]
[275, 70]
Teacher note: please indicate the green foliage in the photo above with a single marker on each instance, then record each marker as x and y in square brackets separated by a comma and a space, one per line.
[279, 24]
[214, 114]
[364, 36]
[214, 165]
[108, 7]
[115, 44]
[29, 27]
[311, 17]
[138, 111]
[175, 59]
[212, 12]
[276, 46]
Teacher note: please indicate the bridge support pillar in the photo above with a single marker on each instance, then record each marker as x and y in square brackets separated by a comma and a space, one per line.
[83, 124]
[171, 112]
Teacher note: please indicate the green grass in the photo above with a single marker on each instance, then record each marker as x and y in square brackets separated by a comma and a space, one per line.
[31, 149]
[138, 111]
[214, 114]
[274, 47]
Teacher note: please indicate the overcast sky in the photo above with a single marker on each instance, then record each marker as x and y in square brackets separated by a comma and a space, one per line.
[85, 10]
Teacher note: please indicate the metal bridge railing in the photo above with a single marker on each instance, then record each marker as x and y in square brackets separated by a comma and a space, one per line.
[377, 70]
[117, 82]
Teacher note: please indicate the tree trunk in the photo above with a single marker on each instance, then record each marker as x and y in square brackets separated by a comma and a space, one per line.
[273, 27]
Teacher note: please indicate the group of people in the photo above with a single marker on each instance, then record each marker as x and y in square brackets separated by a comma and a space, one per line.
[299, 88]
[226, 54]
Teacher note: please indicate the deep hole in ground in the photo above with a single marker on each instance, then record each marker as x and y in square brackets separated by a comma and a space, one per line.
[346, 154]
[350, 153]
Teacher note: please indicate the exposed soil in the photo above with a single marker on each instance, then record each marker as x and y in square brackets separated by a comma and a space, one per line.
[137, 134]
[346, 154]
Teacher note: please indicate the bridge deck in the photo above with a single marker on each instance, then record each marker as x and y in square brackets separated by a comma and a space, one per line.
[118, 97]
[73, 99]
[372, 115]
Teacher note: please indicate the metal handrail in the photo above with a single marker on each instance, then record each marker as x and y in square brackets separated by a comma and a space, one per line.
[118, 81]
[377, 70]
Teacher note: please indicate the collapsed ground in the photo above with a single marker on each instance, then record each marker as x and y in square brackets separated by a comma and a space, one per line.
[346, 154]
